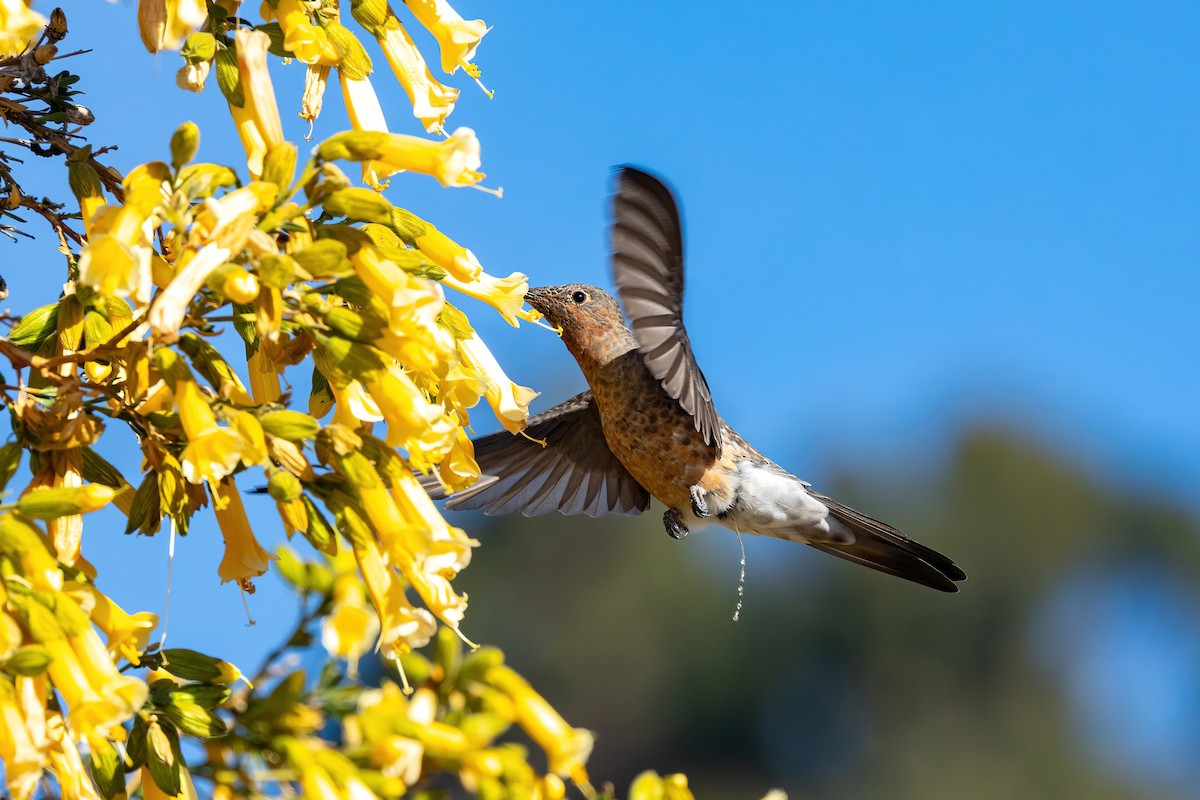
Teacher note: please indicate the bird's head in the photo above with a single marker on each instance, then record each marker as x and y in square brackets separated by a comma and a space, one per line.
[588, 316]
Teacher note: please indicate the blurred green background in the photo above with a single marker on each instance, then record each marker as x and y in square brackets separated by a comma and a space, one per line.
[1066, 667]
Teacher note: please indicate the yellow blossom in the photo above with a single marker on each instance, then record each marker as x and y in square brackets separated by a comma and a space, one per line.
[97, 696]
[506, 295]
[254, 442]
[257, 120]
[431, 100]
[448, 549]
[264, 378]
[19, 24]
[128, 634]
[453, 161]
[457, 37]
[308, 43]
[362, 106]
[414, 423]
[315, 78]
[164, 24]
[212, 452]
[461, 389]
[244, 557]
[74, 783]
[402, 626]
[567, 749]
[117, 258]
[354, 406]
[229, 221]
[166, 316]
[448, 254]
[651, 786]
[458, 469]
[19, 751]
[351, 628]
[509, 401]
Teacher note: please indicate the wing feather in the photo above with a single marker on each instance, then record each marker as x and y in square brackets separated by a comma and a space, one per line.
[569, 475]
[647, 260]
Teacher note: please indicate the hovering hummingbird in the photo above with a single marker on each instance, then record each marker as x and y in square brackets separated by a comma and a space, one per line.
[647, 426]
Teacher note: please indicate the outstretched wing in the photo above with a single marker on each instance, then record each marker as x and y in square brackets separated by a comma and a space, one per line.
[575, 473]
[647, 259]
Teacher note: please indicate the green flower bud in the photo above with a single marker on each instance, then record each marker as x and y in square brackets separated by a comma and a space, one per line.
[291, 425]
[28, 661]
[186, 139]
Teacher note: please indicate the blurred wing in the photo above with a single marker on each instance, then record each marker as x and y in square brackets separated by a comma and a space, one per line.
[647, 259]
[575, 473]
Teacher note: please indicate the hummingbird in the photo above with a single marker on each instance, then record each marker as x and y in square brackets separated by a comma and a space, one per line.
[647, 426]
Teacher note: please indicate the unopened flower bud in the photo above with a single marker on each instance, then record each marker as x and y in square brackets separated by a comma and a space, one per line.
[184, 143]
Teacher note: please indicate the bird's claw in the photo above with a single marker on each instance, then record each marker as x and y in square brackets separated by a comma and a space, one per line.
[699, 504]
[673, 522]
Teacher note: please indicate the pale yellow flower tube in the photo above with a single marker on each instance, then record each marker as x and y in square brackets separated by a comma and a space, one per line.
[257, 121]
[457, 37]
[509, 401]
[431, 100]
[506, 295]
[244, 557]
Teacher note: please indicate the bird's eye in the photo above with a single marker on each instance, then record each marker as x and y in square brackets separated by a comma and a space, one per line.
[579, 297]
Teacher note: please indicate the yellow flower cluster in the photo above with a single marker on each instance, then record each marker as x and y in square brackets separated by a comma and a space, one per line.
[306, 269]
[49, 643]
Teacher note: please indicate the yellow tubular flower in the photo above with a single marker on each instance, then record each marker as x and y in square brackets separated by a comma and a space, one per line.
[212, 452]
[362, 106]
[650, 786]
[257, 120]
[567, 749]
[264, 378]
[448, 551]
[458, 469]
[308, 43]
[509, 401]
[117, 258]
[229, 221]
[448, 254]
[414, 423]
[457, 37]
[312, 99]
[506, 295]
[164, 24]
[432, 101]
[354, 406]
[402, 626]
[244, 557]
[19, 753]
[254, 441]
[128, 634]
[74, 783]
[18, 25]
[166, 316]
[351, 628]
[97, 696]
[453, 161]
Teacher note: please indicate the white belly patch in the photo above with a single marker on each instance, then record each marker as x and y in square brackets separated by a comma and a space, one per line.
[772, 503]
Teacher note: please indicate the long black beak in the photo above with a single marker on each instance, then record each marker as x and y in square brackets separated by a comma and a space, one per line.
[536, 298]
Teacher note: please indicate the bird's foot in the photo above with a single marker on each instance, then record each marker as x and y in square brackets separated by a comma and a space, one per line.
[699, 503]
[673, 522]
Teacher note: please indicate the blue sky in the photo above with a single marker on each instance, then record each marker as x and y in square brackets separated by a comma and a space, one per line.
[900, 217]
